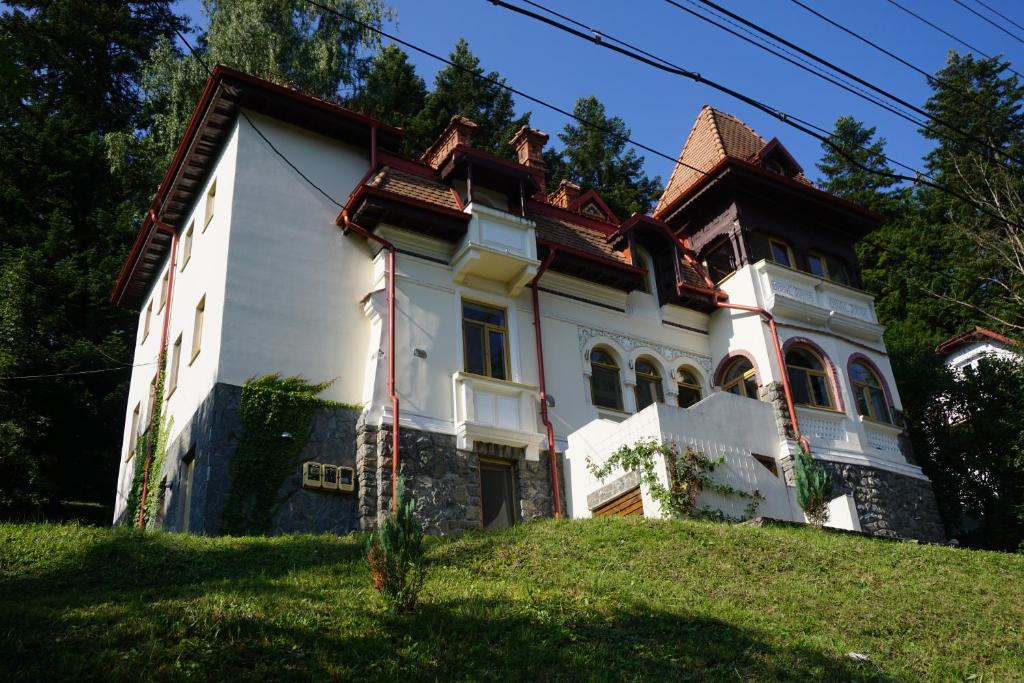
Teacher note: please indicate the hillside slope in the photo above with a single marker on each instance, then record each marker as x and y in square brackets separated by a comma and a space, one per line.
[604, 599]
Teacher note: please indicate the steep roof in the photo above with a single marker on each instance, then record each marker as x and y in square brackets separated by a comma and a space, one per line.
[714, 137]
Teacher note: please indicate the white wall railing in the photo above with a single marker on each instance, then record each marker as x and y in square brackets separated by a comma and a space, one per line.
[495, 411]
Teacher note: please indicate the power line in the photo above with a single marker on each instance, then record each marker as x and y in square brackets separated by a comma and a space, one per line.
[950, 35]
[858, 79]
[989, 21]
[788, 119]
[999, 14]
[76, 373]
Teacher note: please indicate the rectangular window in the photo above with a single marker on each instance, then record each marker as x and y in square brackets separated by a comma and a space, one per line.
[197, 329]
[152, 395]
[172, 377]
[133, 435]
[186, 245]
[485, 340]
[781, 253]
[211, 199]
[497, 494]
[720, 261]
[145, 321]
[816, 263]
[165, 282]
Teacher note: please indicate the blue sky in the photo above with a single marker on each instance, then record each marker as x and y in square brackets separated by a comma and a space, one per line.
[660, 108]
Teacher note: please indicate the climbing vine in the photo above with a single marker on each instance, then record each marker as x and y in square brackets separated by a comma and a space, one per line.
[154, 438]
[276, 413]
[689, 474]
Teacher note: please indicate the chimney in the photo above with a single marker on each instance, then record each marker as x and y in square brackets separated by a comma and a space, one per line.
[460, 131]
[529, 146]
[565, 195]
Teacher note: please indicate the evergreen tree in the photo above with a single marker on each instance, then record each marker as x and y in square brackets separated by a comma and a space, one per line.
[595, 156]
[392, 91]
[460, 90]
[71, 74]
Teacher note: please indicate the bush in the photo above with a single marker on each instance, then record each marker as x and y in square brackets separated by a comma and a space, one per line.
[813, 487]
[395, 554]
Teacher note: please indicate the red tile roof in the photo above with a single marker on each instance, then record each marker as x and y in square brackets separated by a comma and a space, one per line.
[414, 186]
[975, 334]
[715, 136]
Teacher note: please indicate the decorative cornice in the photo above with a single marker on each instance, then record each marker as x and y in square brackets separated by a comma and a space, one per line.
[628, 344]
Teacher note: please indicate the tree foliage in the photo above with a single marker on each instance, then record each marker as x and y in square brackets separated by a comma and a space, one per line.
[392, 92]
[460, 90]
[596, 156]
[394, 553]
[813, 487]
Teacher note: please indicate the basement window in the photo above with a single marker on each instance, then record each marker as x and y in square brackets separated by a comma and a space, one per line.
[497, 494]
[769, 463]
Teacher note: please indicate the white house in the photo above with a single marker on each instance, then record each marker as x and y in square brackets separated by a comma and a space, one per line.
[529, 333]
[965, 350]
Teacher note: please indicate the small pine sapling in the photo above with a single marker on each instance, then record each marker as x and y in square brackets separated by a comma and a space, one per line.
[813, 487]
[395, 554]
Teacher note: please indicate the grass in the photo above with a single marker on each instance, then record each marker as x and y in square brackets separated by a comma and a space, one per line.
[604, 599]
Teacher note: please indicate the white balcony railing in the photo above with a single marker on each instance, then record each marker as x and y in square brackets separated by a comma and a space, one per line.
[811, 299]
[498, 246]
[495, 411]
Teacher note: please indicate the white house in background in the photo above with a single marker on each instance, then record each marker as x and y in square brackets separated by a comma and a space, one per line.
[532, 331]
[968, 348]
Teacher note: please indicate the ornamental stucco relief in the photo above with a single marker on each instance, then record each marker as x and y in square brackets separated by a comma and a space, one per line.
[792, 291]
[627, 343]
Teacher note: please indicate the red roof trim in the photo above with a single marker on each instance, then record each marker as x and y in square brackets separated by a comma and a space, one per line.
[970, 336]
[552, 211]
[591, 195]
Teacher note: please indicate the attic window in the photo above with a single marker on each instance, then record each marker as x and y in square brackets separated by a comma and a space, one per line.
[774, 167]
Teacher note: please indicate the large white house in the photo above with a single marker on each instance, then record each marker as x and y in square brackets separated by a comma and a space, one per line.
[529, 333]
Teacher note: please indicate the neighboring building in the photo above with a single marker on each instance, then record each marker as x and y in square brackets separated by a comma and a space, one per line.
[968, 348]
[631, 315]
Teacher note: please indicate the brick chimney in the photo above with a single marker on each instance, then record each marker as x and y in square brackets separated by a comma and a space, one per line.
[566, 194]
[529, 146]
[460, 131]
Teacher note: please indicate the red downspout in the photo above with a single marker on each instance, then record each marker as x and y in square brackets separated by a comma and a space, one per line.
[393, 395]
[161, 359]
[556, 486]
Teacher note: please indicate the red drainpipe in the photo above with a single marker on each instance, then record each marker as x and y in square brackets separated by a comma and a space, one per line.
[351, 225]
[162, 227]
[556, 487]
[716, 299]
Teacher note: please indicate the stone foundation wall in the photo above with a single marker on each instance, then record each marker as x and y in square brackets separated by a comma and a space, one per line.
[774, 394]
[890, 504]
[444, 480]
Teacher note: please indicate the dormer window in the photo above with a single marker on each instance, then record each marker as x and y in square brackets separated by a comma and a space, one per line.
[774, 167]
[643, 260]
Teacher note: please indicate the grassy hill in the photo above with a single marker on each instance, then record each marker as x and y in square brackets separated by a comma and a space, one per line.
[605, 599]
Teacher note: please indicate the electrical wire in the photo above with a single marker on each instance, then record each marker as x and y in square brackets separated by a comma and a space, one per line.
[76, 373]
[999, 14]
[881, 91]
[946, 33]
[989, 21]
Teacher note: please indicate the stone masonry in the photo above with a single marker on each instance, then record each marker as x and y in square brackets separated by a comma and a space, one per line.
[890, 504]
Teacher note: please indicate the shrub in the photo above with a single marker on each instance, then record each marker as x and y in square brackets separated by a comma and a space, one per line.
[813, 487]
[395, 554]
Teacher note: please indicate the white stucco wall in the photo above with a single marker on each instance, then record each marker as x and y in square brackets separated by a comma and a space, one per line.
[970, 354]
[294, 282]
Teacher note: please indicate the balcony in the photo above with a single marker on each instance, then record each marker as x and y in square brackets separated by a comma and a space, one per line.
[810, 299]
[499, 247]
[495, 411]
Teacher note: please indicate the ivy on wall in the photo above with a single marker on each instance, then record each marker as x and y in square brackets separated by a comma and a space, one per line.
[276, 413]
[154, 438]
[689, 474]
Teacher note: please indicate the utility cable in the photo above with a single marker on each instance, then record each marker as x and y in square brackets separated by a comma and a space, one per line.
[76, 373]
[989, 21]
[999, 14]
[789, 120]
[950, 35]
[885, 93]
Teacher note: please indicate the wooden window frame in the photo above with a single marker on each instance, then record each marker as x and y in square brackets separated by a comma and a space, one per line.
[652, 378]
[487, 329]
[618, 379]
[134, 434]
[823, 374]
[165, 284]
[827, 262]
[197, 328]
[724, 242]
[211, 204]
[863, 389]
[510, 465]
[172, 375]
[146, 321]
[681, 383]
[186, 245]
[741, 380]
[785, 245]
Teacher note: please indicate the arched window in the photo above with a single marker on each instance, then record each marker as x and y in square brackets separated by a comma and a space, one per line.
[808, 379]
[689, 388]
[605, 387]
[648, 384]
[868, 392]
[740, 378]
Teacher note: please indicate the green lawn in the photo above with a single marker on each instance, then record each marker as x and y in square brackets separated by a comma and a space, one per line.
[605, 599]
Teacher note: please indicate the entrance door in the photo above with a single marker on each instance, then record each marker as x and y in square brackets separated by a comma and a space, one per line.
[497, 494]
